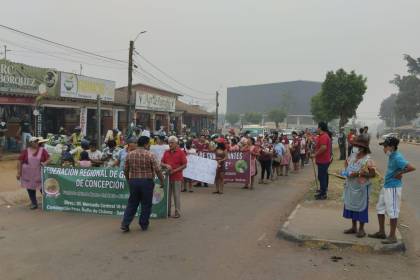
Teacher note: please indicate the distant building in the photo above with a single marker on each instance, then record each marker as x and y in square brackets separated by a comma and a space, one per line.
[294, 97]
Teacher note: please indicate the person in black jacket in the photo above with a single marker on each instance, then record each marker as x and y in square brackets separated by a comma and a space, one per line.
[342, 144]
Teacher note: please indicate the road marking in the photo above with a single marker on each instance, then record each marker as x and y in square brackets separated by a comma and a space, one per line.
[294, 212]
[262, 237]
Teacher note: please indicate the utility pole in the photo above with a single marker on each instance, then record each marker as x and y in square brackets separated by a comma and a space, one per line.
[98, 120]
[130, 84]
[5, 51]
[217, 112]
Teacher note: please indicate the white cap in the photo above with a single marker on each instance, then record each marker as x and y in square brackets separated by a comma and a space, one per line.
[33, 139]
[145, 133]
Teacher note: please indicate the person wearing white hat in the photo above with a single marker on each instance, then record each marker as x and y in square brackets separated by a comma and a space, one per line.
[29, 168]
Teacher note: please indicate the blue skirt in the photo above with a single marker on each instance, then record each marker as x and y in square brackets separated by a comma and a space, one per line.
[362, 216]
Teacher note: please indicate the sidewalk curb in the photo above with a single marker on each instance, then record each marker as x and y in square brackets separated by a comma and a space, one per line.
[411, 143]
[324, 244]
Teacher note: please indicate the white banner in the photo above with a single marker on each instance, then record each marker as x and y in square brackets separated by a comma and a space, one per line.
[76, 86]
[154, 102]
[200, 169]
[158, 151]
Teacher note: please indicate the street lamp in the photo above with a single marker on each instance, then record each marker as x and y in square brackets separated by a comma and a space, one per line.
[138, 35]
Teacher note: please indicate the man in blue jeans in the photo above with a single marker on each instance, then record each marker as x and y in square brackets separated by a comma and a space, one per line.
[140, 169]
[323, 159]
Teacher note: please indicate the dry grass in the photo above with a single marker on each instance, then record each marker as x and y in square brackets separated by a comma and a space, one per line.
[336, 185]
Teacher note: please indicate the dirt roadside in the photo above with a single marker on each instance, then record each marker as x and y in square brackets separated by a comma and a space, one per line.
[232, 236]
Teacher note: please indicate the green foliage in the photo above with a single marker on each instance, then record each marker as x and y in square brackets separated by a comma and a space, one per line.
[232, 118]
[318, 111]
[340, 95]
[387, 111]
[408, 98]
[277, 116]
[253, 117]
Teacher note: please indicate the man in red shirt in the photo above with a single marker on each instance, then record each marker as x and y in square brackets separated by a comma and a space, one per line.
[175, 161]
[323, 159]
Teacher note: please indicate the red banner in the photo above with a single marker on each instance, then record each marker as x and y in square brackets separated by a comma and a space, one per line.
[237, 167]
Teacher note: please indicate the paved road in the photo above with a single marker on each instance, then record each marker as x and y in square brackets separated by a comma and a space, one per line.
[411, 193]
[219, 237]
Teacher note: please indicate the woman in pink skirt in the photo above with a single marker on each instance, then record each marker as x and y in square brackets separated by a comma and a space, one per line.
[285, 161]
[29, 169]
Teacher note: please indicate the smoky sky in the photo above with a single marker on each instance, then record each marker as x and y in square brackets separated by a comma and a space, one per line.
[212, 45]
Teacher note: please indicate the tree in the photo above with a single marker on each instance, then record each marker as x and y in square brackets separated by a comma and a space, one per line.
[341, 93]
[253, 117]
[388, 110]
[277, 116]
[232, 118]
[408, 98]
[318, 111]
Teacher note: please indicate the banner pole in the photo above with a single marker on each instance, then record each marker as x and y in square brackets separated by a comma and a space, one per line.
[316, 179]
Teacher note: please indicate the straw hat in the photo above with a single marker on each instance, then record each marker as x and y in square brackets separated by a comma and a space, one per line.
[361, 141]
[42, 140]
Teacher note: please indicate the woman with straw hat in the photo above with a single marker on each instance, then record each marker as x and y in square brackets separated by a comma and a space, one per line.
[359, 170]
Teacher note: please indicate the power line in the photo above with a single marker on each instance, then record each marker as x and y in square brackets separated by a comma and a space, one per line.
[148, 76]
[61, 45]
[101, 57]
[58, 57]
[169, 76]
[168, 85]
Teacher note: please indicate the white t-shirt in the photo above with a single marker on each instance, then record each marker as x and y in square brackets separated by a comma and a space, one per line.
[96, 155]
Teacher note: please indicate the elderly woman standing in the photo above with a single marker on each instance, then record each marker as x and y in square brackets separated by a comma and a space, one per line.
[359, 170]
[29, 169]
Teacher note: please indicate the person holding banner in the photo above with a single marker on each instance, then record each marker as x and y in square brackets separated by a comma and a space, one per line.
[201, 145]
[175, 161]
[221, 157]
[248, 145]
[189, 150]
[140, 169]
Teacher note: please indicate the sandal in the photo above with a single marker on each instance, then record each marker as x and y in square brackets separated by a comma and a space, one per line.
[215, 192]
[389, 241]
[350, 231]
[377, 235]
[361, 234]
[244, 188]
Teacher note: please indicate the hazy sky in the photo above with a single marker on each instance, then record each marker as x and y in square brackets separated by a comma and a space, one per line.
[214, 44]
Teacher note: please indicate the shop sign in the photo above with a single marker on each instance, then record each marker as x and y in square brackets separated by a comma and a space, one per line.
[94, 191]
[77, 86]
[21, 78]
[155, 102]
[83, 120]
